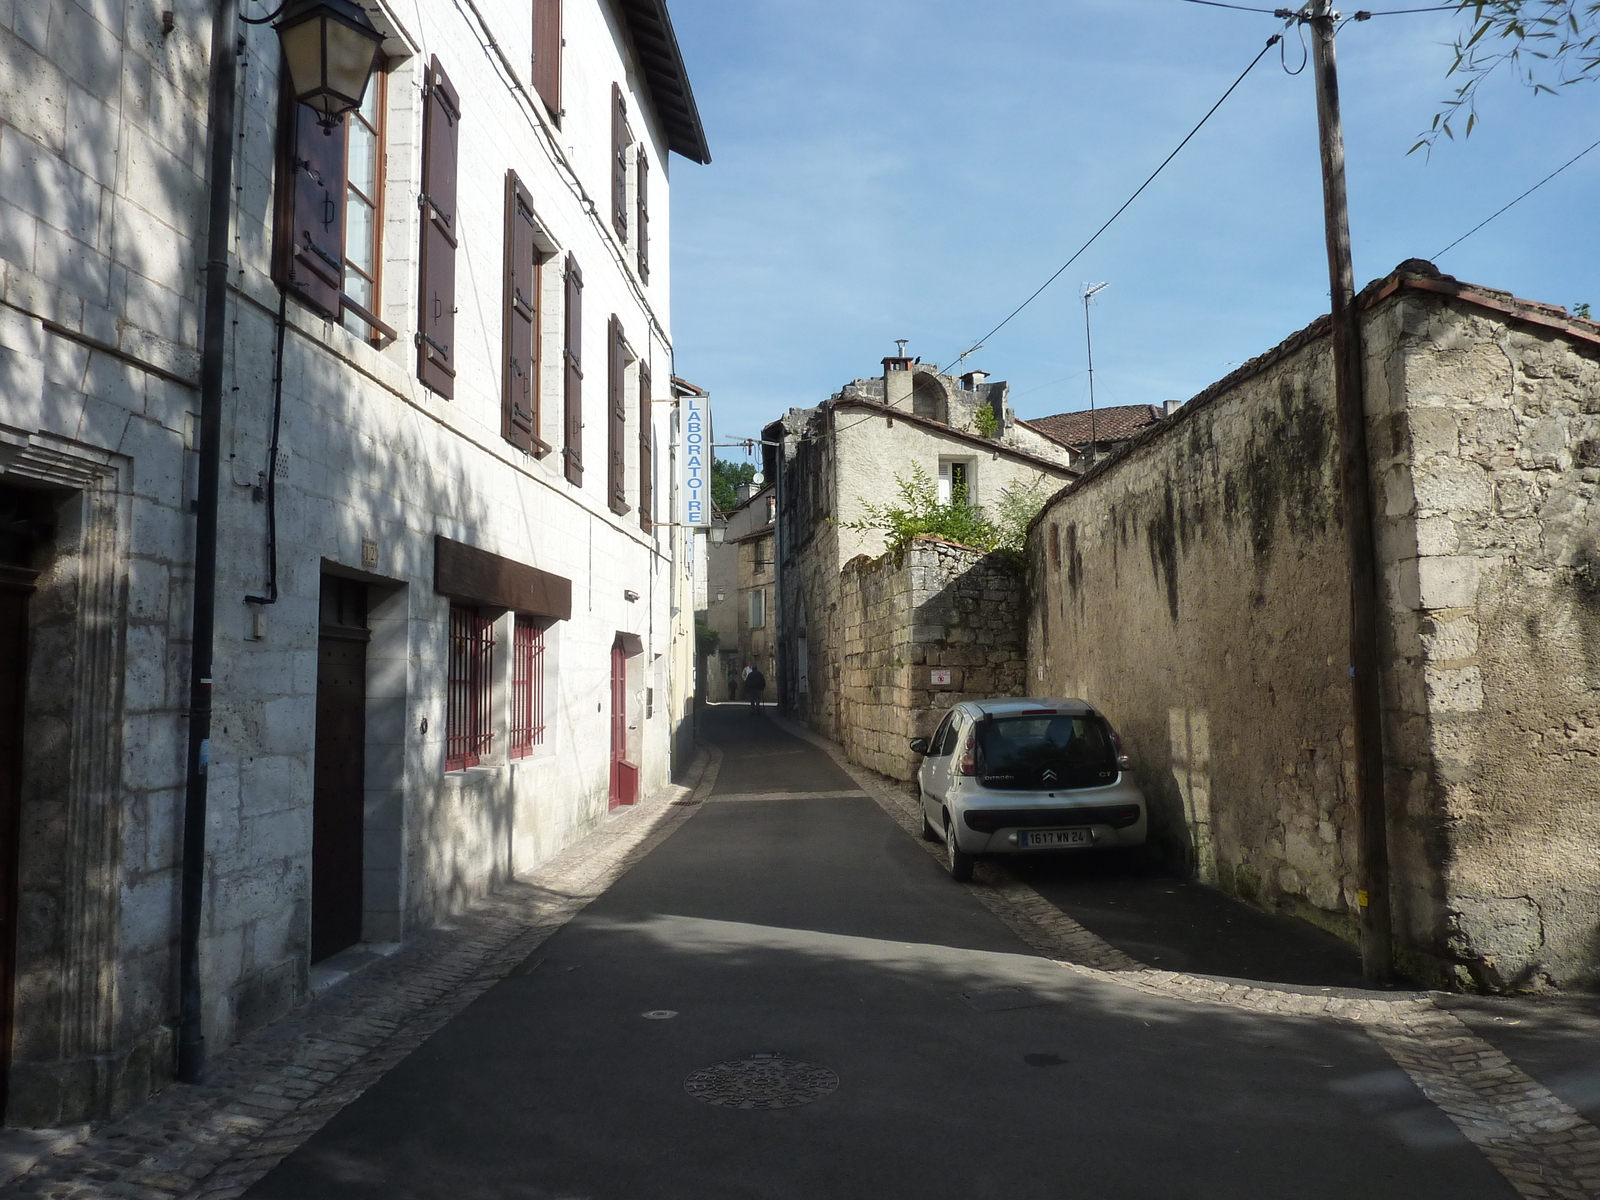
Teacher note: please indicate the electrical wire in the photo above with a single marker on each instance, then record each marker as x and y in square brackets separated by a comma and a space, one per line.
[1237, 7]
[1519, 199]
[1271, 42]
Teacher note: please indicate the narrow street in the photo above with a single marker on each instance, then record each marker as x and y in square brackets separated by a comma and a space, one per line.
[790, 915]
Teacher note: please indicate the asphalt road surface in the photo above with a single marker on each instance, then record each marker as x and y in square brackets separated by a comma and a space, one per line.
[814, 930]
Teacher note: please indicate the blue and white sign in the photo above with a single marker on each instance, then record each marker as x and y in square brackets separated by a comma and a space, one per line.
[696, 414]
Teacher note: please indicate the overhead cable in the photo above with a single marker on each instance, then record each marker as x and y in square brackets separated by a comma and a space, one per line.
[1520, 198]
[1271, 42]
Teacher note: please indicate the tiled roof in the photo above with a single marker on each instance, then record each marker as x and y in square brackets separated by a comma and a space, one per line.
[1114, 424]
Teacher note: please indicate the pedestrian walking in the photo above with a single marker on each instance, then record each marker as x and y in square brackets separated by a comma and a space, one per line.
[733, 684]
[754, 684]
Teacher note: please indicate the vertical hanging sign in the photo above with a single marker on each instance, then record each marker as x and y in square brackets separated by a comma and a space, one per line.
[696, 461]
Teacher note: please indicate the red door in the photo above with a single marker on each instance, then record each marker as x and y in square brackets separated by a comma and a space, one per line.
[624, 775]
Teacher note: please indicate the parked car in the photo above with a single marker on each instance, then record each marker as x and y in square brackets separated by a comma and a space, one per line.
[1024, 776]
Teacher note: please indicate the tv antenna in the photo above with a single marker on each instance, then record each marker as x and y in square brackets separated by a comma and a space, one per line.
[1089, 290]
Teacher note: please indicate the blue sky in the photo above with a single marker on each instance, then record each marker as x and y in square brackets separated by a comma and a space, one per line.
[885, 169]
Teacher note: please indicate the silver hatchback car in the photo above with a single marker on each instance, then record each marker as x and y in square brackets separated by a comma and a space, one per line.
[1025, 775]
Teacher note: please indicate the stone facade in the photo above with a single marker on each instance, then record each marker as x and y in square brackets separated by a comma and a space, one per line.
[1195, 587]
[743, 564]
[846, 453]
[103, 117]
[941, 624]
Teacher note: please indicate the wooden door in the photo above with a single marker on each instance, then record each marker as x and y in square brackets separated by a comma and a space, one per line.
[16, 585]
[339, 780]
[624, 774]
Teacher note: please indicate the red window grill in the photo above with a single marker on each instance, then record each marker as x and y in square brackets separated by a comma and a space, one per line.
[527, 688]
[468, 732]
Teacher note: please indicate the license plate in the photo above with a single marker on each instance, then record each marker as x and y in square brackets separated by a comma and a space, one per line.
[1038, 839]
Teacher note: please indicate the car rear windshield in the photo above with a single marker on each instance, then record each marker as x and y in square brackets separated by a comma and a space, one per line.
[1045, 752]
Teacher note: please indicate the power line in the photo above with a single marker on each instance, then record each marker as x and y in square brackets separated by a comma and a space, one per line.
[1520, 198]
[1271, 42]
[1237, 7]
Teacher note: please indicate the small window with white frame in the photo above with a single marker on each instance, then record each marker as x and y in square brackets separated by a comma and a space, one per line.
[955, 481]
[758, 608]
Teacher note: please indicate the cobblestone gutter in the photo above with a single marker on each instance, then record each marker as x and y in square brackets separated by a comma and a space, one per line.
[1542, 1147]
[273, 1090]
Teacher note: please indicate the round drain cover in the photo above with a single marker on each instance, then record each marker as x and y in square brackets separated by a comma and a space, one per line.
[760, 1081]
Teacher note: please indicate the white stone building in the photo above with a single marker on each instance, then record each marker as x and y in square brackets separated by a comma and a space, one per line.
[453, 505]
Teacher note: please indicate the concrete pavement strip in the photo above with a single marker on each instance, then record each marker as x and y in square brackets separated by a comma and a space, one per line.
[1541, 1145]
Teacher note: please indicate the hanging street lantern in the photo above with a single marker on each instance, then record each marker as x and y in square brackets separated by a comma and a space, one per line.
[331, 48]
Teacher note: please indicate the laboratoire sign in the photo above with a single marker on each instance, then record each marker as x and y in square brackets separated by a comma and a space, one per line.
[696, 461]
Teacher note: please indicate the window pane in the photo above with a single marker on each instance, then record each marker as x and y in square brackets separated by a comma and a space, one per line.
[358, 231]
[363, 154]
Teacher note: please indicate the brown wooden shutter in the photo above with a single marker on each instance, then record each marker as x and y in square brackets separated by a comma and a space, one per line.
[547, 54]
[573, 369]
[642, 233]
[436, 324]
[310, 204]
[520, 388]
[616, 419]
[647, 478]
[620, 140]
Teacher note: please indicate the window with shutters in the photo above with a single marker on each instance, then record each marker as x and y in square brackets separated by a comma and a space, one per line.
[547, 55]
[572, 372]
[647, 455]
[616, 417]
[469, 689]
[527, 687]
[436, 323]
[328, 208]
[621, 142]
[641, 231]
[520, 424]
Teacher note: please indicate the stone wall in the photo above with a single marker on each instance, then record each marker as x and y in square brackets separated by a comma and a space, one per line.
[1194, 586]
[939, 607]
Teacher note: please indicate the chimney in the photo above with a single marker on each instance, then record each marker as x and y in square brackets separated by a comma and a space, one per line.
[973, 380]
[897, 381]
[745, 492]
[1171, 406]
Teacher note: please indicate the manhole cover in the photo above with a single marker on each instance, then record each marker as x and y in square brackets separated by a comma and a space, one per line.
[761, 1081]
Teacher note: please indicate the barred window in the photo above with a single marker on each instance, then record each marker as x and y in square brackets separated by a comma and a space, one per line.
[469, 691]
[527, 688]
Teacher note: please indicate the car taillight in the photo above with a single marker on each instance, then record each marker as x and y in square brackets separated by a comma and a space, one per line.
[968, 763]
[1123, 761]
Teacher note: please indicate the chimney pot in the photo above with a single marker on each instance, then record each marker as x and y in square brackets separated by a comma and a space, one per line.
[1171, 407]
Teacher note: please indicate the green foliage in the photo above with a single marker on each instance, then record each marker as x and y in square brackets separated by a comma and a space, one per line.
[706, 640]
[725, 477]
[918, 512]
[1548, 43]
[1582, 310]
[985, 422]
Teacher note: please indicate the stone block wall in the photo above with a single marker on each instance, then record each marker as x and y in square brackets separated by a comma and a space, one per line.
[940, 606]
[1194, 586]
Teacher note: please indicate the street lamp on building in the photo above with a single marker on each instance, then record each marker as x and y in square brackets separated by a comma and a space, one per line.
[331, 48]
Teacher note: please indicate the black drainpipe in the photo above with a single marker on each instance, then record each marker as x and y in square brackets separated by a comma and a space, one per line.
[224, 74]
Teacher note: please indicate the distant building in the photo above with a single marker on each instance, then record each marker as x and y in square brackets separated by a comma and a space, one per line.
[1104, 429]
[829, 462]
[741, 582]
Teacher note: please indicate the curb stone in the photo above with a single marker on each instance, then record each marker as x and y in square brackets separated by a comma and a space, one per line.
[1539, 1144]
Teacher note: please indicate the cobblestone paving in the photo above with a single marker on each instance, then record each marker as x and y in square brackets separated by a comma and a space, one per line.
[274, 1089]
[1542, 1146]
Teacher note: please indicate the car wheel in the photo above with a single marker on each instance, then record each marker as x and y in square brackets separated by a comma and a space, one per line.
[929, 833]
[957, 859]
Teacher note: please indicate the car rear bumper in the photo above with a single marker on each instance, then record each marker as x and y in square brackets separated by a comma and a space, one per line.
[993, 822]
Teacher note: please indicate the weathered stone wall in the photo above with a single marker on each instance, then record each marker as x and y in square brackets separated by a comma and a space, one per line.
[940, 606]
[1195, 588]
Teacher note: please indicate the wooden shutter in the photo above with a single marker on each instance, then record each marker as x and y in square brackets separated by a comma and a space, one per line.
[616, 419]
[310, 203]
[642, 232]
[647, 478]
[436, 325]
[520, 387]
[620, 140]
[573, 371]
[547, 54]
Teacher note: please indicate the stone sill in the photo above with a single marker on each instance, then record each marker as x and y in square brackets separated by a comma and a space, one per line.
[336, 968]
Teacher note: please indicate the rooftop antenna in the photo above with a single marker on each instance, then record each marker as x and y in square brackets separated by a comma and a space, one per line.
[1089, 290]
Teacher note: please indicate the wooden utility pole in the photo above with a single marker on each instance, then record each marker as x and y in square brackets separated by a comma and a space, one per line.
[1356, 490]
